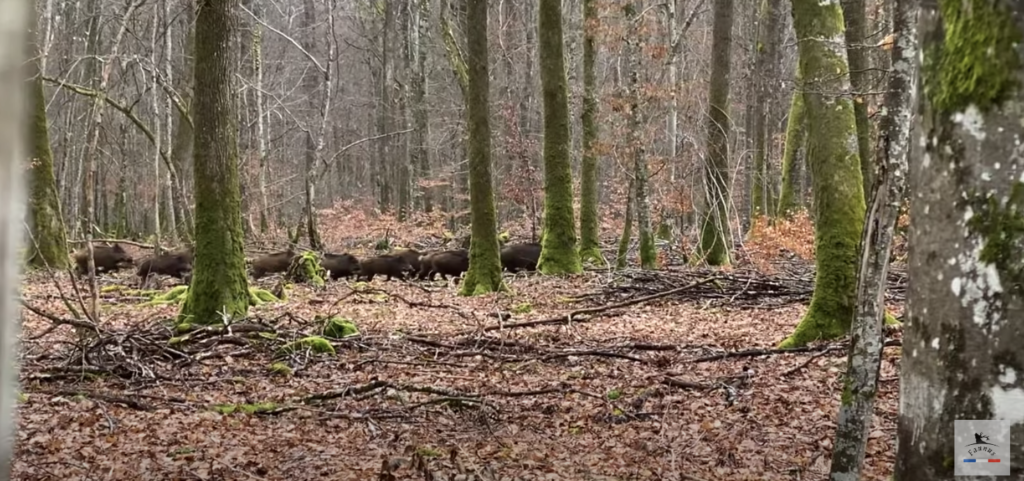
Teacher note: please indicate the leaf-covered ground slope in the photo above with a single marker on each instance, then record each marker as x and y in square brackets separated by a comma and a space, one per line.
[429, 385]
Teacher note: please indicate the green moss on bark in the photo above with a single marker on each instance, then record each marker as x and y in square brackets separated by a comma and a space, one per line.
[484, 273]
[219, 286]
[590, 249]
[976, 61]
[48, 245]
[1002, 227]
[796, 134]
[715, 238]
[860, 70]
[558, 254]
[835, 174]
[627, 230]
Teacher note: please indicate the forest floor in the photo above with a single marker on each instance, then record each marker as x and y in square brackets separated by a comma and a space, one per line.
[685, 386]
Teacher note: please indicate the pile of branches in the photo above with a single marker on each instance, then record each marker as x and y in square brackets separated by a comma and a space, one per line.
[745, 288]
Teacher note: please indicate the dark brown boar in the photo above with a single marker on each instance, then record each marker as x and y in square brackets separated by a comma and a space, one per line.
[107, 258]
[273, 263]
[517, 257]
[447, 263]
[340, 265]
[175, 265]
[385, 265]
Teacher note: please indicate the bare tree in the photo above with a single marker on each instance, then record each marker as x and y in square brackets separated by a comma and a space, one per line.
[716, 239]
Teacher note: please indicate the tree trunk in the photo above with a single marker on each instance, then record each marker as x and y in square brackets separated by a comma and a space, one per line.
[484, 263]
[405, 167]
[13, 16]
[383, 170]
[965, 298]
[791, 197]
[766, 75]
[835, 172]
[219, 289]
[314, 133]
[559, 254]
[155, 94]
[865, 354]
[855, 19]
[635, 47]
[621, 258]
[716, 239]
[261, 129]
[181, 150]
[421, 116]
[48, 246]
[590, 235]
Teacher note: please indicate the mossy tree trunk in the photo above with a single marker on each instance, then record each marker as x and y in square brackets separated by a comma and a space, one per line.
[484, 263]
[835, 172]
[627, 229]
[766, 83]
[791, 195]
[219, 285]
[48, 245]
[558, 254]
[590, 247]
[715, 238]
[855, 19]
[641, 204]
[860, 385]
[965, 298]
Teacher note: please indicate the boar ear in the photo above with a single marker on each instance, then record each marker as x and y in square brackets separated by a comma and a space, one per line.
[118, 248]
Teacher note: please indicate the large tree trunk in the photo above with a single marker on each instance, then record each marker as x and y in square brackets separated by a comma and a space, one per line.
[642, 206]
[484, 264]
[791, 196]
[716, 239]
[559, 254]
[766, 83]
[965, 298]
[219, 285]
[835, 172]
[590, 242]
[48, 244]
[314, 129]
[855, 19]
[861, 385]
[13, 16]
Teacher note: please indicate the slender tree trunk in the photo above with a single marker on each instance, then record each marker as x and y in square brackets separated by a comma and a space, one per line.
[484, 263]
[621, 257]
[791, 197]
[635, 47]
[835, 172]
[559, 254]
[855, 19]
[261, 129]
[383, 166]
[590, 242]
[766, 75]
[172, 221]
[405, 167]
[219, 286]
[861, 385]
[421, 117]
[181, 150]
[156, 93]
[48, 244]
[716, 239]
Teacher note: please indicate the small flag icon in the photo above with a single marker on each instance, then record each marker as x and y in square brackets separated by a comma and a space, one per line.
[969, 460]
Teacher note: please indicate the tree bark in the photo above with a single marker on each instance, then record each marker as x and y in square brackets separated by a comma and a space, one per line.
[791, 196]
[716, 239]
[855, 19]
[48, 246]
[558, 254]
[621, 258]
[219, 285]
[420, 11]
[13, 22]
[590, 242]
[642, 206]
[835, 172]
[965, 299]
[865, 355]
[484, 273]
[766, 75]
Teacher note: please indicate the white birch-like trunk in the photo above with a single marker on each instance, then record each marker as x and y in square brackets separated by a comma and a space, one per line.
[13, 16]
[157, 138]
